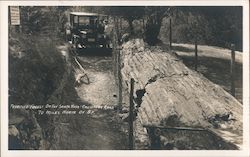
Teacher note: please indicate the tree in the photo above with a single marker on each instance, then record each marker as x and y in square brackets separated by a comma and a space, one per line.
[40, 18]
[219, 26]
[151, 15]
[154, 16]
[129, 13]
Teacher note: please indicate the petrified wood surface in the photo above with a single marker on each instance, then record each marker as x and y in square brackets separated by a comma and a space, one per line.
[170, 94]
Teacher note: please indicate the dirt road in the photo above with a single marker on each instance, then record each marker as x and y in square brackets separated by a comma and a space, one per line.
[103, 129]
[101, 89]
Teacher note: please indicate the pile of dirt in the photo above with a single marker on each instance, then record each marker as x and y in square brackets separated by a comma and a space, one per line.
[172, 95]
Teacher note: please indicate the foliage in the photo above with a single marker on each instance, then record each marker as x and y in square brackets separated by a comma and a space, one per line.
[36, 19]
[34, 77]
[129, 13]
[217, 26]
[209, 25]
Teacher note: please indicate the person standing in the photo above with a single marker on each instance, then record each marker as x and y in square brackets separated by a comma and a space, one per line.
[67, 31]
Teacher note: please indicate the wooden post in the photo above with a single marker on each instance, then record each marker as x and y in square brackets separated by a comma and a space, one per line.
[117, 29]
[170, 33]
[119, 75]
[114, 52]
[131, 118]
[196, 55]
[232, 69]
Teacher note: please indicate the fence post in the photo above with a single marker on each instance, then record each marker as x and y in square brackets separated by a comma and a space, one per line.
[131, 116]
[170, 33]
[119, 75]
[232, 69]
[196, 55]
[117, 61]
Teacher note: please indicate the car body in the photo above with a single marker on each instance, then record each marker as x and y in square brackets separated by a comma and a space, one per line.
[87, 30]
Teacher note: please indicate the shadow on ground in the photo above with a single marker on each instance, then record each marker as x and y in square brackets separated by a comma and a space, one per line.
[183, 49]
[95, 52]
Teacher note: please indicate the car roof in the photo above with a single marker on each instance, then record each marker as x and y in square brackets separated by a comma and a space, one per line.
[86, 14]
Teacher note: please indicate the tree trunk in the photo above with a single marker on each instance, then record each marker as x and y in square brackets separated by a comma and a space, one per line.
[152, 30]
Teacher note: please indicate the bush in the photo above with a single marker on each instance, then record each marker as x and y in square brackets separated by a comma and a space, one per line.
[33, 77]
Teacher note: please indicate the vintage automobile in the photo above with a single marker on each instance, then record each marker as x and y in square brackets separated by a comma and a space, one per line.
[87, 30]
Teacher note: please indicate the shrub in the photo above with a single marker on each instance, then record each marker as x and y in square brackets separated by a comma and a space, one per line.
[34, 77]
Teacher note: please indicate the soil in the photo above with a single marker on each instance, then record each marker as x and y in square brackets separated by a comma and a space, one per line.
[101, 89]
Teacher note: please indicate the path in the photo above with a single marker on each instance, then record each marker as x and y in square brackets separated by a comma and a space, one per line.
[102, 130]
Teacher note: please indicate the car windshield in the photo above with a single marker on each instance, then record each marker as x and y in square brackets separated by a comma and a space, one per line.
[84, 21]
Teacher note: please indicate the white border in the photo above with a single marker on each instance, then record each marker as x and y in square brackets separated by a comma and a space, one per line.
[41, 153]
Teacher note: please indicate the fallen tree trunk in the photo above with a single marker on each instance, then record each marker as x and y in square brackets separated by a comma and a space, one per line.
[170, 94]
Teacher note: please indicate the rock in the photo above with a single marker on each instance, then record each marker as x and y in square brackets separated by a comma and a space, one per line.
[13, 131]
[125, 37]
[123, 116]
[125, 110]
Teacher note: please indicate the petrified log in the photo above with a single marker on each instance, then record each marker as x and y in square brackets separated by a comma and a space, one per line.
[170, 94]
